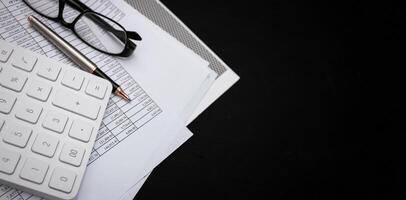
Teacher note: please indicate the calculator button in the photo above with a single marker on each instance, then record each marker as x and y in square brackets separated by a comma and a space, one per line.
[48, 71]
[75, 103]
[73, 80]
[55, 121]
[5, 53]
[28, 112]
[8, 160]
[1, 123]
[62, 180]
[45, 145]
[12, 79]
[72, 154]
[24, 62]
[38, 90]
[81, 131]
[34, 170]
[6, 103]
[96, 88]
[16, 134]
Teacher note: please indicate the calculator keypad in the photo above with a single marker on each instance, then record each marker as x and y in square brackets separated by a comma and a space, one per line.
[47, 120]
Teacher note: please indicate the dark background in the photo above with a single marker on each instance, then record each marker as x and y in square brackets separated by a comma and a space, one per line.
[318, 113]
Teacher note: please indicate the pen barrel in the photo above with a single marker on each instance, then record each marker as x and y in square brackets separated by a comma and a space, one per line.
[75, 55]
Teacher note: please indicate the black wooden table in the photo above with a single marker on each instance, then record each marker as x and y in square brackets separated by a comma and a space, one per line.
[319, 110]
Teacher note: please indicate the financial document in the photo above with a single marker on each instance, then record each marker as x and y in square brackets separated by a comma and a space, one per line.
[122, 119]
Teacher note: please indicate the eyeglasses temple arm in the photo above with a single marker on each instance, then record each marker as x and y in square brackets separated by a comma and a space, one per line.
[78, 5]
[133, 35]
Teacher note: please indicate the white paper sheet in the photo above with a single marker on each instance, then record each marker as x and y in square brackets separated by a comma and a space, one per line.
[14, 28]
[162, 16]
[165, 151]
[115, 172]
[222, 83]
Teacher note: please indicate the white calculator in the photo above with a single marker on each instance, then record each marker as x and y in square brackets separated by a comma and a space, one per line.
[50, 114]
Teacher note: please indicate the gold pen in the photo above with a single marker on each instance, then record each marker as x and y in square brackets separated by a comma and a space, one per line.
[74, 54]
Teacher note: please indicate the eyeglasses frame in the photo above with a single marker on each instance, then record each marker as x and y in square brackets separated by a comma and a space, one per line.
[129, 46]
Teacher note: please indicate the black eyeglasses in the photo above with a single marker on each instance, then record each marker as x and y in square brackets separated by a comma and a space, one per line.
[94, 29]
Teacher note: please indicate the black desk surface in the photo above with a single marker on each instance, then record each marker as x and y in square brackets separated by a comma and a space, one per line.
[319, 110]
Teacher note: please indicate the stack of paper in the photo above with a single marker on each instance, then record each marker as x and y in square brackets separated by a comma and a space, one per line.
[168, 83]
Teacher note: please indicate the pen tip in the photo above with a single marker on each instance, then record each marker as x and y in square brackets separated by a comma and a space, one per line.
[120, 92]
